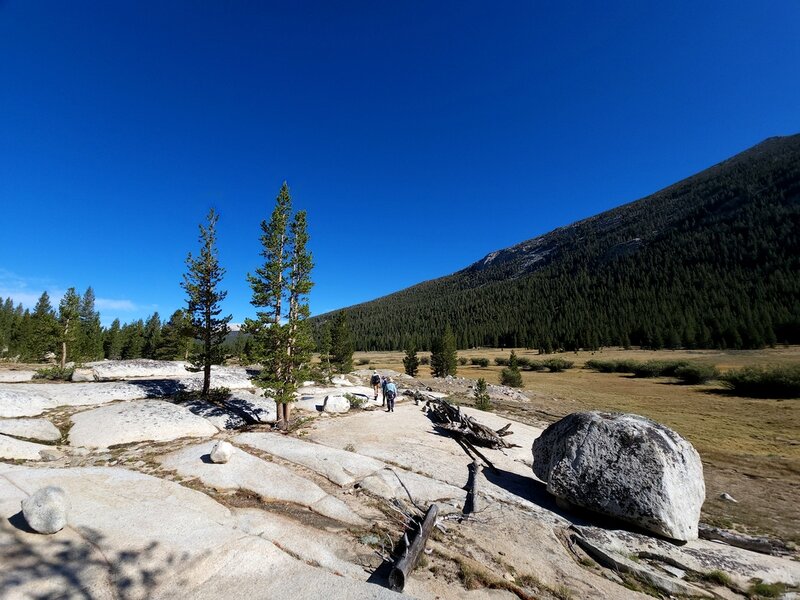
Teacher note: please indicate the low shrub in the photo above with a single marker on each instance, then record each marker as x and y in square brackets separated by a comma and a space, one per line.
[535, 365]
[216, 395]
[511, 377]
[696, 373]
[501, 362]
[54, 373]
[767, 590]
[718, 577]
[764, 382]
[425, 360]
[480, 362]
[603, 366]
[556, 365]
[627, 366]
[482, 401]
[613, 366]
[462, 360]
[356, 401]
[523, 362]
[658, 368]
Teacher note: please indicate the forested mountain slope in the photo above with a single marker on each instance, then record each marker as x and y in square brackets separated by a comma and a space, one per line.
[711, 261]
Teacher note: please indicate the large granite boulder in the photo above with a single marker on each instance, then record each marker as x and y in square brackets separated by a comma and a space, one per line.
[16, 376]
[624, 466]
[82, 375]
[221, 452]
[336, 403]
[137, 421]
[110, 370]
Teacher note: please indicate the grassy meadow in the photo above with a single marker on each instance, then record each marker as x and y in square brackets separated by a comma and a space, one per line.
[750, 446]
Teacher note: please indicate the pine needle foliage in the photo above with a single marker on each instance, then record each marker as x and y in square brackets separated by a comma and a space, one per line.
[411, 361]
[511, 376]
[444, 359]
[281, 338]
[69, 324]
[341, 344]
[201, 283]
[482, 401]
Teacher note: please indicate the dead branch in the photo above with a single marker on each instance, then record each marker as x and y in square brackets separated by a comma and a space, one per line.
[763, 545]
[449, 417]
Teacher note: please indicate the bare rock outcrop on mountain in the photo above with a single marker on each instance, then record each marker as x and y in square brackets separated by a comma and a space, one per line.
[624, 466]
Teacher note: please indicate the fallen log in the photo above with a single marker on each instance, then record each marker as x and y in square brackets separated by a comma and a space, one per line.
[450, 418]
[620, 564]
[406, 563]
[762, 545]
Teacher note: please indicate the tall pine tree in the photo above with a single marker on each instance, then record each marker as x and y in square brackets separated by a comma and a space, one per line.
[44, 329]
[69, 311]
[112, 343]
[341, 344]
[444, 359]
[152, 336]
[176, 338]
[91, 333]
[281, 339]
[411, 361]
[204, 297]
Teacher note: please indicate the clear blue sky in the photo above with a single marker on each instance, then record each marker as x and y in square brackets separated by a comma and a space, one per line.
[419, 136]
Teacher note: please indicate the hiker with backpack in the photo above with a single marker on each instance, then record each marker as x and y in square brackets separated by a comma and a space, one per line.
[391, 394]
[375, 382]
[384, 384]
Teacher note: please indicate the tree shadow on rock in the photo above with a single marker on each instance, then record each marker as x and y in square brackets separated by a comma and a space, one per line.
[237, 412]
[380, 576]
[530, 489]
[77, 563]
[159, 388]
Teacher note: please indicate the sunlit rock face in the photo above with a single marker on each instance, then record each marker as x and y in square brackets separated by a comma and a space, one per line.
[624, 466]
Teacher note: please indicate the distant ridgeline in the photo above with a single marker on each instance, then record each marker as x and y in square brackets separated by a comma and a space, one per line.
[711, 261]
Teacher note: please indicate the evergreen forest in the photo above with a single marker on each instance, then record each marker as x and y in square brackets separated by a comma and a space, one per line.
[710, 262]
[38, 335]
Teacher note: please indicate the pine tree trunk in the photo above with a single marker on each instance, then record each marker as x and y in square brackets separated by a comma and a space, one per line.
[207, 357]
[64, 347]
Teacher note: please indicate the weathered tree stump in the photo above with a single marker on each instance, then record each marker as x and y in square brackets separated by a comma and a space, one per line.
[471, 502]
[406, 563]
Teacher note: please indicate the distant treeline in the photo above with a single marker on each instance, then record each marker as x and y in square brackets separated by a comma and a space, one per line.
[711, 262]
[32, 336]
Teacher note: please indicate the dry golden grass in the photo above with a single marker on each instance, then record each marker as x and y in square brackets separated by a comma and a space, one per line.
[750, 447]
